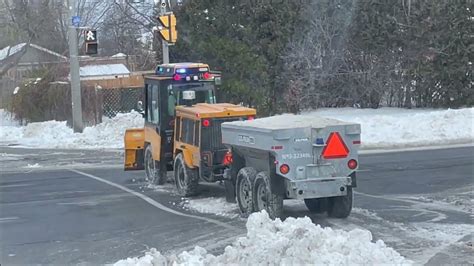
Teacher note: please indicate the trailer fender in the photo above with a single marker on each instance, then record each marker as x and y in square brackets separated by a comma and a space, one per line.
[277, 182]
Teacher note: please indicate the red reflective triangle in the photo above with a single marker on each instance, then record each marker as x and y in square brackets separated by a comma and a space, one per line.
[335, 147]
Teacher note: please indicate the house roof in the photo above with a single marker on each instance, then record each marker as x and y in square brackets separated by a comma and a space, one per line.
[104, 70]
[12, 50]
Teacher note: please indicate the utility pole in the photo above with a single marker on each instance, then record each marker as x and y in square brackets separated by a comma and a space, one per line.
[76, 98]
[164, 44]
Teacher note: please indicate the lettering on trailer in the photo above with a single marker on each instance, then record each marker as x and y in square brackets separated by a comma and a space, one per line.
[302, 140]
[246, 139]
[291, 156]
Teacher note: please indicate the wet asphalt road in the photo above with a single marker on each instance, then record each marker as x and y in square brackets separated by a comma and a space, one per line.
[70, 207]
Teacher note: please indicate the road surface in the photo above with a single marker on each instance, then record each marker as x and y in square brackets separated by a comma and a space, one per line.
[73, 207]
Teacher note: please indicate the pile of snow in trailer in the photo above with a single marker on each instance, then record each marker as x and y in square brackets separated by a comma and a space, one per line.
[291, 242]
[290, 121]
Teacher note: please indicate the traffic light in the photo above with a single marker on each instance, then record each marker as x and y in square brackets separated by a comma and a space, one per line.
[90, 38]
[91, 48]
[168, 31]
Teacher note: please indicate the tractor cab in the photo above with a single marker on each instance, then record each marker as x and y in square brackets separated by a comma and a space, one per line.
[163, 91]
[198, 137]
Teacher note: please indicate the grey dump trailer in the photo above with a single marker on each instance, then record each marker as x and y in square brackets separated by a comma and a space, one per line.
[292, 157]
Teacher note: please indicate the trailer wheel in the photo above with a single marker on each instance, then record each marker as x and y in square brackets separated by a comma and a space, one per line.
[340, 207]
[316, 205]
[265, 198]
[153, 171]
[245, 180]
[186, 179]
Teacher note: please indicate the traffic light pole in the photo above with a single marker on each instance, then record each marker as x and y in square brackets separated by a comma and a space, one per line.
[77, 123]
[166, 52]
[164, 44]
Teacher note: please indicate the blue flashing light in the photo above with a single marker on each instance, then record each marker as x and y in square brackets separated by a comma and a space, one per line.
[320, 141]
[181, 70]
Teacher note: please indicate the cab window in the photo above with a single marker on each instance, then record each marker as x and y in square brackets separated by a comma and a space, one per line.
[187, 131]
[152, 101]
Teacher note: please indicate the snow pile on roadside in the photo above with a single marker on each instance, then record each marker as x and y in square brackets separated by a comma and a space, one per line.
[292, 242]
[6, 119]
[398, 128]
[381, 128]
[55, 134]
[211, 205]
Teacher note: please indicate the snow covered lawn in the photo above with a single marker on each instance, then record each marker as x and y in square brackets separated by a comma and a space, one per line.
[401, 128]
[54, 134]
[291, 242]
[381, 128]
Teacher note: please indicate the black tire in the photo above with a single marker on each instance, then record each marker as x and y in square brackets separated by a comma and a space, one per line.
[186, 179]
[154, 173]
[243, 190]
[265, 199]
[316, 205]
[340, 207]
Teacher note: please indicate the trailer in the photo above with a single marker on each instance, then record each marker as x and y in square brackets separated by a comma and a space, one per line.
[292, 157]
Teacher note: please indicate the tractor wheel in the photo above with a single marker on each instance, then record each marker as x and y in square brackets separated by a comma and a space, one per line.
[186, 179]
[153, 171]
[340, 207]
[265, 199]
[316, 205]
[245, 179]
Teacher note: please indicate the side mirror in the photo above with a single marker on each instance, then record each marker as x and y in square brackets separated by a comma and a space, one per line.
[140, 108]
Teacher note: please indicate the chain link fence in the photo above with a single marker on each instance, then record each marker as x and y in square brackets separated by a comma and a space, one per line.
[123, 100]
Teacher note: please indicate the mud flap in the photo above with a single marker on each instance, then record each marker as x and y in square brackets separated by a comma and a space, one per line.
[354, 179]
[134, 147]
[229, 185]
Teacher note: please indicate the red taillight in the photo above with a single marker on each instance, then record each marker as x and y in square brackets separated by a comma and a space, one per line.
[227, 158]
[250, 117]
[284, 169]
[352, 164]
[335, 147]
[206, 75]
[206, 123]
[177, 77]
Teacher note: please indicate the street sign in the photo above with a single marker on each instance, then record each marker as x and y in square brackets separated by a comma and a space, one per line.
[168, 31]
[76, 21]
[90, 36]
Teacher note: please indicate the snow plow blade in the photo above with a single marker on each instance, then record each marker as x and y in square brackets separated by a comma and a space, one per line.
[134, 145]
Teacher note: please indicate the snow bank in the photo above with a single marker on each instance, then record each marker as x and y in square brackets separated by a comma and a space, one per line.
[54, 134]
[211, 205]
[399, 128]
[292, 242]
[381, 128]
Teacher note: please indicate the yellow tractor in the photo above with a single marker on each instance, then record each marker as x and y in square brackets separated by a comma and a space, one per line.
[182, 129]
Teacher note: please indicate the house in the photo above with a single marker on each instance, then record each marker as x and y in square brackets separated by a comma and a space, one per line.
[33, 58]
[101, 72]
